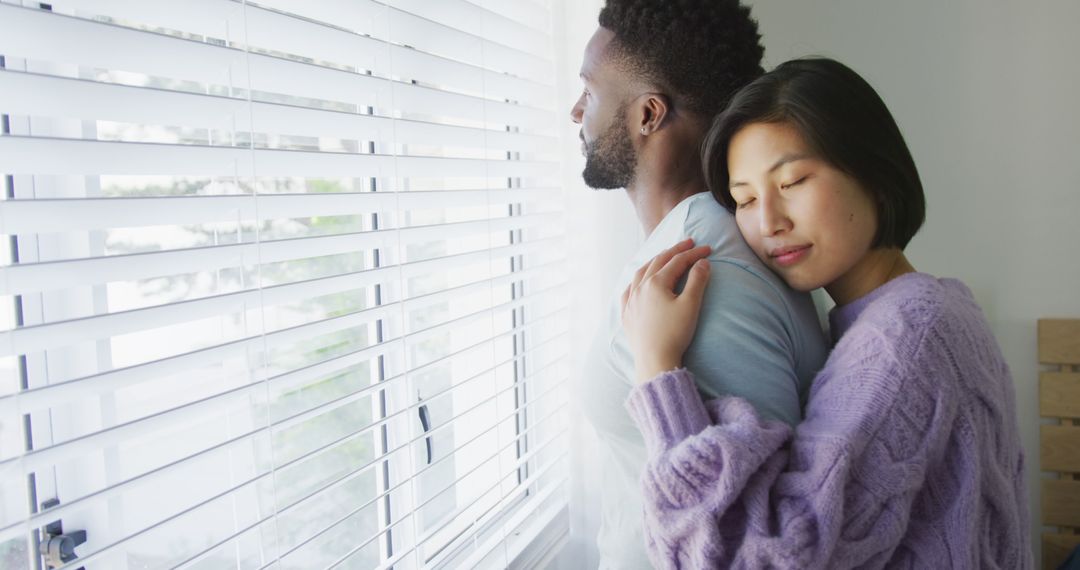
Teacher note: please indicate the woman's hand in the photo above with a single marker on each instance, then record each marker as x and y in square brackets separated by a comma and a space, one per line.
[658, 323]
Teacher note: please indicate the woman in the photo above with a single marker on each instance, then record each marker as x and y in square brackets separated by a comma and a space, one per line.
[909, 454]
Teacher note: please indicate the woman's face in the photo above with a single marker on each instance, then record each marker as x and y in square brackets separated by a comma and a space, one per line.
[808, 221]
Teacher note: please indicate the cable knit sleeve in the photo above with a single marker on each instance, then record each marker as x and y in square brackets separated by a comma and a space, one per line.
[724, 488]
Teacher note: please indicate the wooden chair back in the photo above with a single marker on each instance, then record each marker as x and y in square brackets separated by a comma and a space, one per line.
[1059, 399]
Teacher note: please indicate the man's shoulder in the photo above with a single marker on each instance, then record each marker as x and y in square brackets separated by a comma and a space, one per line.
[709, 223]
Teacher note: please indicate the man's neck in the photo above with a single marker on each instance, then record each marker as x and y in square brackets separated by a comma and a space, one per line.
[668, 171]
[653, 200]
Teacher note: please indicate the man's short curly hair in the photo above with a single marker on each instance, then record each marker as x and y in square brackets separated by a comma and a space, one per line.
[698, 51]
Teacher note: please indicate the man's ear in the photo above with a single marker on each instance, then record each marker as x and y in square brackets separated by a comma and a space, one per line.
[655, 108]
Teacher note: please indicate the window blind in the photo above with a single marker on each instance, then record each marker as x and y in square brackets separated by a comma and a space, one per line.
[283, 283]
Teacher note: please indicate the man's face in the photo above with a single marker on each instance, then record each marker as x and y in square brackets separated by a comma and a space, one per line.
[610, 158]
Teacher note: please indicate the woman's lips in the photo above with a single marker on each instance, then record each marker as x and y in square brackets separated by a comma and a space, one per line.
[785, 256]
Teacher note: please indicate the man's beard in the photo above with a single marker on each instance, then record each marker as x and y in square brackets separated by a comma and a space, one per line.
[610, 160]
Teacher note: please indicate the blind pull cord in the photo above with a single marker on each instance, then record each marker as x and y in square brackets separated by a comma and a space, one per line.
[425, 422]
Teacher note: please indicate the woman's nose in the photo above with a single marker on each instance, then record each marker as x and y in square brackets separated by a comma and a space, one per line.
[774, 219]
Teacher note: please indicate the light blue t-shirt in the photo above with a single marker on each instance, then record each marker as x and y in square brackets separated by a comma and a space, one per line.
[756, 338]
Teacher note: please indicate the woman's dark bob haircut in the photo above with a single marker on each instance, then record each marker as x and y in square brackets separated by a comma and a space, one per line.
[844, 121]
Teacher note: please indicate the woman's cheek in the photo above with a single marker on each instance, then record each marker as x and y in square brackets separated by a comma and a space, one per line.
[746, 228]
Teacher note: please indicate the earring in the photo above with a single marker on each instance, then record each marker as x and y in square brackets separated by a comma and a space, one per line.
[642, 130]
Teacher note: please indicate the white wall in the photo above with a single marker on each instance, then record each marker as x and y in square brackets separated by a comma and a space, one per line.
[986, 94]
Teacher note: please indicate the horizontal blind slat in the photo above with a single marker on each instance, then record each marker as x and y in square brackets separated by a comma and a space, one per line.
[474, 19]
[421, 31]
[47, 275]
[524, 12]
[41, 155]
[223, 19]
[25, 216]
[34, 94]
[108, 46]
[276, 75]
[287, 33]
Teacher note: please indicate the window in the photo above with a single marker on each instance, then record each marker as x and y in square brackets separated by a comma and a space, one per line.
[283, 283]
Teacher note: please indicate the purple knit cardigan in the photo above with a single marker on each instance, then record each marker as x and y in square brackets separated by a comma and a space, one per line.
[908, 456]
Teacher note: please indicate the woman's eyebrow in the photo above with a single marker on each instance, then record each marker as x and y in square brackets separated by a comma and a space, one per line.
[780, 162]
[788, 158]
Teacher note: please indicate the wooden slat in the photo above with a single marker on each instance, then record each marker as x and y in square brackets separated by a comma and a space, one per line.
[1061, 502]
[1060, 448]
[1059, 397]
[1056, 548]
[1059, 394]
[1059, 341]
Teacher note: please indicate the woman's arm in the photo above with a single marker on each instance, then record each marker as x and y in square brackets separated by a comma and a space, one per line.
[724, 489]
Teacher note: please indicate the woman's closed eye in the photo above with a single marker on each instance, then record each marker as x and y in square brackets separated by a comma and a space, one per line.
[795, 183]
[744, 203]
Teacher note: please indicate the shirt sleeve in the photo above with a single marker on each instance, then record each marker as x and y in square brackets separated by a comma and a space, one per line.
[744, 343]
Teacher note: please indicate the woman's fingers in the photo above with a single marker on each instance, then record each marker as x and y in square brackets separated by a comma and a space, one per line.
[636, 280]
[664, 256]
[694, 291]
[659, 324]
[669, 264]
[653, 265]
[679, 264]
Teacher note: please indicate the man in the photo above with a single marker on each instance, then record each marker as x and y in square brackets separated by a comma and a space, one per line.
[655, 73]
